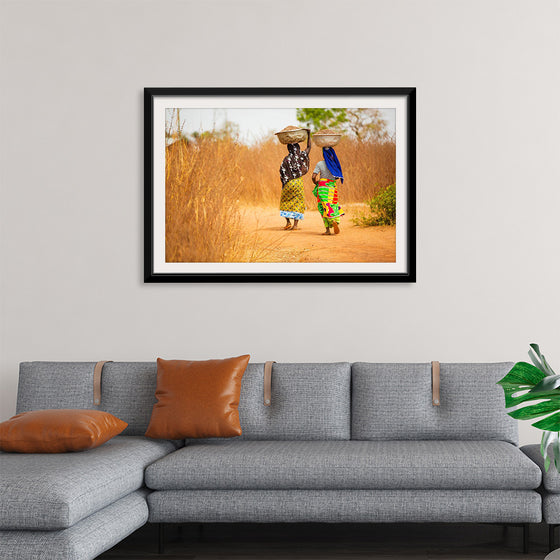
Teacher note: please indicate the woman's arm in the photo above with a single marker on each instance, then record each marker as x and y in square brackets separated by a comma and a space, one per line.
[308, 149]
[315, 177]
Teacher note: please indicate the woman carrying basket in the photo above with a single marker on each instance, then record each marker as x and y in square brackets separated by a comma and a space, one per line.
[324, 176]
[294, 166]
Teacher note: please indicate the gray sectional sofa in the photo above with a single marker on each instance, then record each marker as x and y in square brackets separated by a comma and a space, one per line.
[340, 442]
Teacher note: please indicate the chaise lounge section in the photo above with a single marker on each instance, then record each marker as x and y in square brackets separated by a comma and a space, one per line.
[73, 506]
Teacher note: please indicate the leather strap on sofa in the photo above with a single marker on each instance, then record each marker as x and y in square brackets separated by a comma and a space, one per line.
[268, 383]
[97, 371]
[435, 383]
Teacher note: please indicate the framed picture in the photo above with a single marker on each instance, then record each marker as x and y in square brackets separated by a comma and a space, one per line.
[280, 185]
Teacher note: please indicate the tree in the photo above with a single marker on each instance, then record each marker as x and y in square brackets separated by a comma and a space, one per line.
[362, 124]
[317, 119]
[367, 124]
[229, 130]
[174, 126]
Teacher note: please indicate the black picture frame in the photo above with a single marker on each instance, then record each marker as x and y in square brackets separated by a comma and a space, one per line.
[407, 97]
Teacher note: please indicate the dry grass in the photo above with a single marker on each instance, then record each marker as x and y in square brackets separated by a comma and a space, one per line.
[200, 218]
[367, 167]
[207, 180]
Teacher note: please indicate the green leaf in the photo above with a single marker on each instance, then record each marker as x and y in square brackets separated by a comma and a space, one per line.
[547, 366]
[550, 423]
[535, 347]
[547, 437]
[536, 361]
[550, 444]
[514, 397]
[540, 362]
[547, 384]
[536, 410]
[556, 451]
[522, 375]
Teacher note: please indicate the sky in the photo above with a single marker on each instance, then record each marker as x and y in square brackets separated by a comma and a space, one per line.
[253, 124]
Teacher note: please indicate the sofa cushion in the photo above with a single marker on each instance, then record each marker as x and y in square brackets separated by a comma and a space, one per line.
[45, 385]
[345, 465]
[85, 540]
[197, 399]
[551, 508]
[58, 430]
[394, 401]
[54, 491]
[127, 389]
[550, 478]
[309, 402]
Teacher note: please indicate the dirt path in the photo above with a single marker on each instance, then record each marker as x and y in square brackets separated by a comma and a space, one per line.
[353, 244]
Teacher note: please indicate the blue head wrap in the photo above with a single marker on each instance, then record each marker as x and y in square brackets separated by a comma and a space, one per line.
[333, 165]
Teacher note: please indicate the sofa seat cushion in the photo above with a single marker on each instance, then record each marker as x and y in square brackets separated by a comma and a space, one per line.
[320, 465]
[54, 491]
[550, 478]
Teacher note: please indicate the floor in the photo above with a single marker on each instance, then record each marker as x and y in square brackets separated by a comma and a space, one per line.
[333, 542]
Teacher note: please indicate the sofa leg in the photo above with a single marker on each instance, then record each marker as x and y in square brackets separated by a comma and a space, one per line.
[551, 544]
[161, 538]
[525, 538]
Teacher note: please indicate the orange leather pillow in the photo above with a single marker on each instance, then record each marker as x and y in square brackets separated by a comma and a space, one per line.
[197, 399]
[58, 431]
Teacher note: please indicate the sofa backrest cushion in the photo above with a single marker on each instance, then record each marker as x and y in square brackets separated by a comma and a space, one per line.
[127, 389]
[309, 401]
[394, 402]
[44, 385]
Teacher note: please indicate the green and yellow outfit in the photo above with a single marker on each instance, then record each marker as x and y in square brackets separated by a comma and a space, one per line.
[326, 193]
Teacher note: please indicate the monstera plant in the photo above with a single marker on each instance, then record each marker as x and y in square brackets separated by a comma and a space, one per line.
[533, 391]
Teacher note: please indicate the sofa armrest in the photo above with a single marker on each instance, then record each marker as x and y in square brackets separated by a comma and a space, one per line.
[551, 479]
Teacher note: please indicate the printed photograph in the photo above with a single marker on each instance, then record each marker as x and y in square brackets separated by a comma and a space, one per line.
[280, 185]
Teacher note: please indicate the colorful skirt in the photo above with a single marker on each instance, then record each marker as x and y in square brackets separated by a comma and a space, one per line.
[292, 201]
[327, 202]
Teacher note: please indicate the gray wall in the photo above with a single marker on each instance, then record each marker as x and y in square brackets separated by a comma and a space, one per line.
[72, 74]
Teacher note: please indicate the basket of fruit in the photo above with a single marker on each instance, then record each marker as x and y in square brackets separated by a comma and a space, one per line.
[292, 135]
[326, 138]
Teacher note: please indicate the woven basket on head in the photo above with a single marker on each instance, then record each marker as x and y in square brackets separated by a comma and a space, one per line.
[292, 135]
[326, 138]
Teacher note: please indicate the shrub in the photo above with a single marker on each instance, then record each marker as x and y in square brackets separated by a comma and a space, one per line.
[383, 207]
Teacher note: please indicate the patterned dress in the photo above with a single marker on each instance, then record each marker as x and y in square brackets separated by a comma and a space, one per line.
[294, 166]
[292, 200]
[327, 202]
